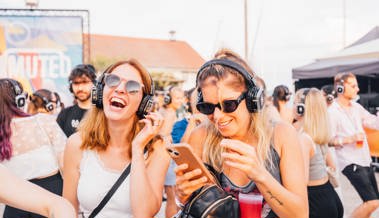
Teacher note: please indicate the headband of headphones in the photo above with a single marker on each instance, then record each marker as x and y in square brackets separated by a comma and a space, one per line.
[16, 88]
[46, 102]
[255, 94]
[228, 63]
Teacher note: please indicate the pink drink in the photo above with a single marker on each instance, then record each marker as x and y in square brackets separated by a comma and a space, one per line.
[250, 205]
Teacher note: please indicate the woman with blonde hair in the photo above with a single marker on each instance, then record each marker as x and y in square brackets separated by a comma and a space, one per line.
[112, 135]
[312, 123]
[251, 156]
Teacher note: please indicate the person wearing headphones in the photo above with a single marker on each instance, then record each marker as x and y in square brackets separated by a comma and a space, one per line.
[24, 195]
[117, 131]
[41, 101]
[250, 156]
[281, 97]
[353, 156]
[81, 80]
[312, 124]
[173, 102]
[31, 147]
[329, 93]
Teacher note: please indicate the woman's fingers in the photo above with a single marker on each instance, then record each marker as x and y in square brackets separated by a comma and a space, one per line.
[236, 146]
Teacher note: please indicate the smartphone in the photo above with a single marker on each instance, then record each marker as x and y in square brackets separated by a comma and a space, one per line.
[182, 153]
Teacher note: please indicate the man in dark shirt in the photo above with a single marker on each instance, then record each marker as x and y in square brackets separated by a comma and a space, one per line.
[81, 80]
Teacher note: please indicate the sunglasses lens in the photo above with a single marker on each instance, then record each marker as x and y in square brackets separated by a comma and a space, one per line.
[112, 80]
[205, 108]
[132, 86]
[229, 106]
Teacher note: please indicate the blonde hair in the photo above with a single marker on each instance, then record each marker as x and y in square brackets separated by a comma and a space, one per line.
[94, 128]
[316, 119]
[212, 149]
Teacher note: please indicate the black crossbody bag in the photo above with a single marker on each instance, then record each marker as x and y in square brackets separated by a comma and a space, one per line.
[110, 193]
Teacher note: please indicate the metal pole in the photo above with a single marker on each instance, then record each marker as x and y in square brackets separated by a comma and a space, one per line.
[246, 32]
[343, 23]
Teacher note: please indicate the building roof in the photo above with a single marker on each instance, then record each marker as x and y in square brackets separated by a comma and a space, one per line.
[152, 53]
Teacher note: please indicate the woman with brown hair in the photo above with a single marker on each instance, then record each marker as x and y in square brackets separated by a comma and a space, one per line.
[30, 146]
[41, 101]
[113, 134]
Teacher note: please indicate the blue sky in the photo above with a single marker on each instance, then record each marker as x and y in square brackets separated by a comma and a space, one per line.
[290, 33]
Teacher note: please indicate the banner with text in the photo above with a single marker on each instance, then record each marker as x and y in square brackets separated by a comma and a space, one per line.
[40, 51]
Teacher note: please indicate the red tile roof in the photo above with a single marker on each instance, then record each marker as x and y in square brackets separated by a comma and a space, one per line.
[152, 53]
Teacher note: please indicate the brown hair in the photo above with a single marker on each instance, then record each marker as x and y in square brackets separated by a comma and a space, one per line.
[37, 102]
[340, 78]
[94, 127]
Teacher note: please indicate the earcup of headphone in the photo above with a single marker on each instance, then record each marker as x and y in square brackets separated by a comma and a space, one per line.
[340, 89]
[167, 99]
[49, 106]
[329, 98]
[254, 99]
[20, 101]
[145, 106]
[97, 95]
[300, 109]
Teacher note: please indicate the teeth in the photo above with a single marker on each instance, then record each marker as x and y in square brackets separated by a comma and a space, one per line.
[224, 123]
[118, 101]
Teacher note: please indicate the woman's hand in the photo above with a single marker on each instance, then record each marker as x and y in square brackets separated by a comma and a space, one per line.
[153, 122]
[185, 184]
[244, 157]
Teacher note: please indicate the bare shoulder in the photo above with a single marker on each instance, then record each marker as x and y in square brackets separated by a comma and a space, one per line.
[73, 149]
[197, 138]
[285, 137]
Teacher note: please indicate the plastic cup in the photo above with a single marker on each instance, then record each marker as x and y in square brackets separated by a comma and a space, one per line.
[250, 205]
[359, 140]
[359, 143]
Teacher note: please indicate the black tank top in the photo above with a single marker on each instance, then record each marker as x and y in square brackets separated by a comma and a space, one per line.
[233, 189]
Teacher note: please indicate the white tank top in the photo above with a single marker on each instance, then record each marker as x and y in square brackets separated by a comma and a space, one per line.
[94, 183]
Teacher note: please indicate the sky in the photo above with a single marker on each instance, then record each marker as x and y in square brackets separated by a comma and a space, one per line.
[282, 34]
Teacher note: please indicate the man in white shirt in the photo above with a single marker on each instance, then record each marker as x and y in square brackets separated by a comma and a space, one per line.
[353, 156]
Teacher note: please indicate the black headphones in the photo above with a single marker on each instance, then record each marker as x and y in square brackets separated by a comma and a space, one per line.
[278, 90]
[167, 96]
[48, 105]
[340, 89]
[254, 94]
[300, 107]
[144, 107]
[287, 94]
[20, 97]
[330, 97]
[84, 67]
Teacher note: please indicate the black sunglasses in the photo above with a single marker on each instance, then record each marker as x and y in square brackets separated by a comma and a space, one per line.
[227, 106]
[131, 86]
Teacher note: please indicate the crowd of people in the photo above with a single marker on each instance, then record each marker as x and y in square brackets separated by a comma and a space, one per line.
[106, 155]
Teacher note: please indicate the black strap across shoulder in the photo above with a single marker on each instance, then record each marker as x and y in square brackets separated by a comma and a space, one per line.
[110, 193]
